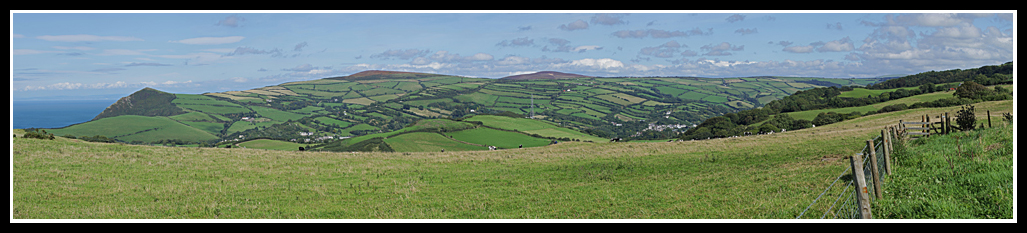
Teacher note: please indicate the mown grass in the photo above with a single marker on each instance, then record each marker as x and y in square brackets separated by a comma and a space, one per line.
[767, 176]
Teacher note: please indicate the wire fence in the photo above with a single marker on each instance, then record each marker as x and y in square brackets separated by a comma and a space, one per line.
[845, 204]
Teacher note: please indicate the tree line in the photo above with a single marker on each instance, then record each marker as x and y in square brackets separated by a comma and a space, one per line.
[969, 91]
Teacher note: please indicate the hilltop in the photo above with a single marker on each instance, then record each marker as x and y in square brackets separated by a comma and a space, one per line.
[382, 74]
[545, 75]
[145, 102]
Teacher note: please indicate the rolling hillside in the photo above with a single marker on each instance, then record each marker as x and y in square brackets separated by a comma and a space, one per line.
[759, 177]
[370, 102]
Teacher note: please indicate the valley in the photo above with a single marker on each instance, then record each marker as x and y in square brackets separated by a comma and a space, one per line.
[324, 113]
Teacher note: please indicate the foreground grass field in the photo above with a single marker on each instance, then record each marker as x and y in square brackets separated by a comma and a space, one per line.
[768, 176]
[964, 175]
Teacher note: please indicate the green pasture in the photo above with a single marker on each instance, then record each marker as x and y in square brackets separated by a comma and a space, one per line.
[497, 138]
[277, 115]
[427, 142]
[132, 127]
[269, 144]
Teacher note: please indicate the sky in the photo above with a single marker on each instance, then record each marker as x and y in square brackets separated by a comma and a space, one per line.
[103, 55]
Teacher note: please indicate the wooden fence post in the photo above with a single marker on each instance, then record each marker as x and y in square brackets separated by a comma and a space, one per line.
[876, 176]
[887, 151]
[945, 124]
[862, 198]
[989, 118]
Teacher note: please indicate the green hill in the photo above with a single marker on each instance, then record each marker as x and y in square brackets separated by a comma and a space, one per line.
[374, 102]
[762, 177]
[145, 102]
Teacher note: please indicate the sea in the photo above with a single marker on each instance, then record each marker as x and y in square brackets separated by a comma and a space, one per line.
[50, 114]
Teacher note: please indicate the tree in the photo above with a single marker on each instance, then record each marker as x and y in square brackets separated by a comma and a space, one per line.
[971, 90]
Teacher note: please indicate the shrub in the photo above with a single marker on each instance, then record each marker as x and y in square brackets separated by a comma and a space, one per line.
[37, 134]
[966, 118]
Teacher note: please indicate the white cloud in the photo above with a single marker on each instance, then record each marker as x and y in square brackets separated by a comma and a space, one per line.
[210, 40]
[86, 38]
[842, 45]
[604, 63]
[798, 49]
[584, 48]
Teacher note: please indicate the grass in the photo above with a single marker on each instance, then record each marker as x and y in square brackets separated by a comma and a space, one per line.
[132, 127]
[963, 175]
[757, 177]
[271, 145]
[427, 142]
[497, 138]
[530, 126]
[812, 114]
[277, 115]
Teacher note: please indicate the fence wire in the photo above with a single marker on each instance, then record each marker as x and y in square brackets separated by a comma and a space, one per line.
[848, 209]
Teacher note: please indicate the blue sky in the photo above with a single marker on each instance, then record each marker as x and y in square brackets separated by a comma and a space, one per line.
[83, 55]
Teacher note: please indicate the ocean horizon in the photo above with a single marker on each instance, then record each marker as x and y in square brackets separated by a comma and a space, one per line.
[48, 114]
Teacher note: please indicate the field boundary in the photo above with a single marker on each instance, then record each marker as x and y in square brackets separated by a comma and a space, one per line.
[874, 160]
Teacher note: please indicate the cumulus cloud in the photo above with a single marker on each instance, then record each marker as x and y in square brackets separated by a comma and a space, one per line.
[950, 40]
[656, 33]
[86, 38]
[576, 25]
[735, 18]
[210, 40]
[799, 49]
[604, 63]
[721, 49]
[524, 28]
[230, 21]
[746, 31]
[608, 19]
[842, 45]
[665, 50]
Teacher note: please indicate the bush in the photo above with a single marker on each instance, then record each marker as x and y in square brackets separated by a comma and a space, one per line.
[966, 118]
[37, 134]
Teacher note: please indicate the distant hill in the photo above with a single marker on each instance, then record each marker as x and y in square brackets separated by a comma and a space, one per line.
[376, 101]
[145, 102]
[545, 75]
